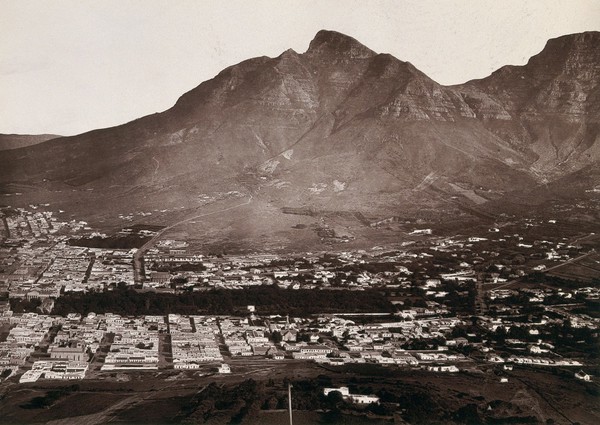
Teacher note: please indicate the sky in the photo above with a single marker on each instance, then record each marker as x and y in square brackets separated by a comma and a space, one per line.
[70, 66]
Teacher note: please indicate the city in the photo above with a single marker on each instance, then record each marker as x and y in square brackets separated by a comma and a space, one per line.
[433, 304]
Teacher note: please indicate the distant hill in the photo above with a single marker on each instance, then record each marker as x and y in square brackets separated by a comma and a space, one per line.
[337, 130]
[14, 141]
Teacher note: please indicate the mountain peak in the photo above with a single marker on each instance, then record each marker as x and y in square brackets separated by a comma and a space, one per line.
[289, 53]
[338, 44]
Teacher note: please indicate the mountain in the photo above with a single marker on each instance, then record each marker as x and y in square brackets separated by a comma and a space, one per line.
[14, 141]
[339, 135]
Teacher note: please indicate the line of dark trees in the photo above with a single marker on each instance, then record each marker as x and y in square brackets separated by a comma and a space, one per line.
[559, 282]
[111, 242]
[177, 267]
[267, 299]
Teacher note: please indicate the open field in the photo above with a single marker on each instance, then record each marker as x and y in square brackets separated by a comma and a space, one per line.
[173, 396]
[584, 269]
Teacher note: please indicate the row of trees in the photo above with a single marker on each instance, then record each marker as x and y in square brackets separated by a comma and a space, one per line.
[111, 242]
[267, 299]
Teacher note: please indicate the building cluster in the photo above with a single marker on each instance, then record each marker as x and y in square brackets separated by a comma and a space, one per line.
[386, 342]
[534, 361]
[135, 344]
[60, 369]
[430, 281]
[497, 258]
[77, 338]
[243, 338]
[534, 334]
[37, 262]
[22, 267]
[64, 347]
[26, 332]
[185, 271]
[338, 341]
[23, 224]
[42, 266]
[194, 340]
[109, 267]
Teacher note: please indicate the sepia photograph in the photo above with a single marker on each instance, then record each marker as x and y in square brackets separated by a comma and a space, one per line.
[299, 212]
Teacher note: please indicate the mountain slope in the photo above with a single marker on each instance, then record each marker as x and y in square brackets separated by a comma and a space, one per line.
[15, 141]
[338, 128]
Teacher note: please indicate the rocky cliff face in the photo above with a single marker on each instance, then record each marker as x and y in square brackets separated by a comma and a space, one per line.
[341, 125]
[550, 105]
[557, 80]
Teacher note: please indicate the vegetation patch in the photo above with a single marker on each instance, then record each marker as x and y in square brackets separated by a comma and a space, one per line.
[51, 397]
[266, 299]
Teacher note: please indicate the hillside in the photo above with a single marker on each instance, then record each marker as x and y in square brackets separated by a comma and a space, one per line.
[339, 131]
[14, 141]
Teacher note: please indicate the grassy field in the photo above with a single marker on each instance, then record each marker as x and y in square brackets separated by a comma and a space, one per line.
[584, 269]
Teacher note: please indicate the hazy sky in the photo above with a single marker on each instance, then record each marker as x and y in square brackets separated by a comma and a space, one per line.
[71, 66]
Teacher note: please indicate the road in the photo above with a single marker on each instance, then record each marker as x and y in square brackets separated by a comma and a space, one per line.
[545, 270]
[137, 257]
[581, 238]
[567, 262]
[480, 305]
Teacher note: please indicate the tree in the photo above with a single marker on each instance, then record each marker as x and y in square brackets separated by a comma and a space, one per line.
[468, 414]
[271, 403]
[500, 334]
[334, 400]
[303, 336]
[459, 331]
[517, 332]
[205, 409]
[276, 337]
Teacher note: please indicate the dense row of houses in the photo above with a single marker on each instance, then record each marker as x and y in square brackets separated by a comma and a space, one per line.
[194, 341]
[135, 343]
[58, 369]
[36, 261]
